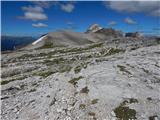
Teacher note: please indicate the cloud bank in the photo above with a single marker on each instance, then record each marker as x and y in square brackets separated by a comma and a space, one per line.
[39, 25]
[34, 13]
[67, 7]
[112, 23]
[148, 7]
[130, 21]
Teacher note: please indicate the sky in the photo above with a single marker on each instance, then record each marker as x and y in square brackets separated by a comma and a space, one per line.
[28, 18]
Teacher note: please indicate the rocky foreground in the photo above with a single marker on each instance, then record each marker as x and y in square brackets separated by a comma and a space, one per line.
[94, 82]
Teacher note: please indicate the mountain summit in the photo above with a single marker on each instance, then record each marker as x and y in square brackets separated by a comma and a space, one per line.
[93, 28]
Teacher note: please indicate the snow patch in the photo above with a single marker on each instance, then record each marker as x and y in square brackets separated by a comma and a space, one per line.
[37, 41]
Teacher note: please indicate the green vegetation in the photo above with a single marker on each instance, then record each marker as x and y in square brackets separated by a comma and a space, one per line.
[65, 68]
[84, 90]
[94, 45]
[54, 61]
[114, 51]
[45, 74]
[78, 68]
[133, 100]
[123, 69]
[82, 106]
[11, 80]
[111, 51]
[24, 56]
[75, 80]
[78, 50]
[123, 112]
[47, 45]
[94, 101]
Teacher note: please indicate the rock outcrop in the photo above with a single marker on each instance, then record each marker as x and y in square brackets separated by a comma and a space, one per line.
[110, 32]
[93, 28]
[134, 34]
[112, 80]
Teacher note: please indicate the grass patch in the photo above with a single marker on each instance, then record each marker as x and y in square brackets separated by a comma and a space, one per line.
[77, 69]
[47, 45]
[54, 61]
[75, 80]
[133, 100]
[84, 90]
[78, 50]
[50, 45]
[65, 68]
[45, 74]
[11, 80]
[123, 69]
[24, 56]
[124, 112]
[95, 45]
[112, 51]
[94, 101]
[82, 106]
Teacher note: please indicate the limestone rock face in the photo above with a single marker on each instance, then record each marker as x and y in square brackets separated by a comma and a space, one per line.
[93, 28]
[116, 79]
[110, 32]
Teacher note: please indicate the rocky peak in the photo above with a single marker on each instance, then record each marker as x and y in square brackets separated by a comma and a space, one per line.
[94, 28]
[110, 32]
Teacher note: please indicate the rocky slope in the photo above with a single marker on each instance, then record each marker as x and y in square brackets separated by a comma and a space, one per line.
[94, 34]
[63, 38]
[116, 79]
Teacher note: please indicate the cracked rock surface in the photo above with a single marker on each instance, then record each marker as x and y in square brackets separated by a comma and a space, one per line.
[88, 83]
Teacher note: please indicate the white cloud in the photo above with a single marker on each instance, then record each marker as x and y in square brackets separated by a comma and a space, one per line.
[147, 7]
[45, 4]
[32, 9]
[34, 16]
[34, 13]
[39, 25]
[130, 21]
[70, 23]
[155, 12]
[67, 7]
[112, 23]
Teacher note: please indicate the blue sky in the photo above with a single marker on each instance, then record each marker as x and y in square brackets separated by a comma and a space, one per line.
[36, 18]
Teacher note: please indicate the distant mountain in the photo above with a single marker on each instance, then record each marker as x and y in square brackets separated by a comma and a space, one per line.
[14, 42]
[110, 32]
[93, 28]
[93, 34]
[63, 38]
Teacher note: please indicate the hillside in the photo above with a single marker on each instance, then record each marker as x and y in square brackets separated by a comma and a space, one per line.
[118, 78]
